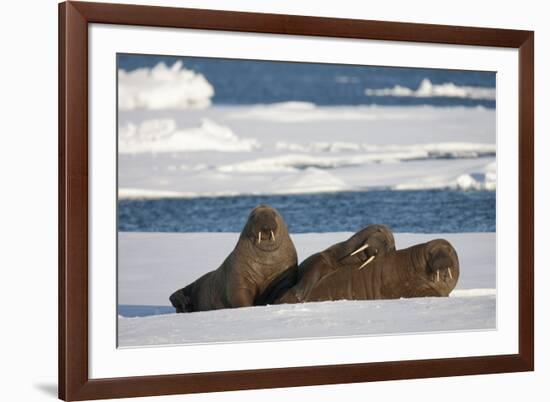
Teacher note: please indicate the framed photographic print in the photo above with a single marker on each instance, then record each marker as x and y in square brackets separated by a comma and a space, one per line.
[259, 200]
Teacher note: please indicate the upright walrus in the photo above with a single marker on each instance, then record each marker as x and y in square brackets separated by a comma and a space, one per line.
[359, 250]
[263, 251]
[427, 269]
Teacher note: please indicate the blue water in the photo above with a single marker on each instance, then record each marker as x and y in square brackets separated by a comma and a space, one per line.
[136, 310]
[245, 82]
[425, 211]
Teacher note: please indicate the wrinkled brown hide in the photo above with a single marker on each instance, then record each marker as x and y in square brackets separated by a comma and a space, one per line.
[295, 285]
[428, 269]
[263, 252]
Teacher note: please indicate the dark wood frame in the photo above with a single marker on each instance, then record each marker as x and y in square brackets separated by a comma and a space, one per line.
[74, 17]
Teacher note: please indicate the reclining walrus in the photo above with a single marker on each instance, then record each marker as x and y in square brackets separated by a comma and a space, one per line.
[263, 251]
[428, 269]
[361, 249]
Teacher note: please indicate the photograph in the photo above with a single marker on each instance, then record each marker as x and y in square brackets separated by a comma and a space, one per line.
[268, 200]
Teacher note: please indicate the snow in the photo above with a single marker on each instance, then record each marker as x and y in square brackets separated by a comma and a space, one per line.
[231, 150]
[163, 87]
[325, 319]
[389, 154]
[137, 193]
[305, 112]
[153, 265]
[445, 149]
[427, 89]
[163, 135]
[311, 180]
[473, 292]
[481, 178]
[152, 177]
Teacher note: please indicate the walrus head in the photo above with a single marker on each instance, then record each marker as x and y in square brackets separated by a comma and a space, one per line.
[364, 246]
[265, 228]
[442, 268]
[182, 300]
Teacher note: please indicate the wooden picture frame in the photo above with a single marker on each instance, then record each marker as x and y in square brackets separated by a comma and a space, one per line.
[74, 381]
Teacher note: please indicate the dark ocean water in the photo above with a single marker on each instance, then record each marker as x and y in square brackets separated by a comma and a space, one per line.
[245, 82]
[136, 310]
[425, 211]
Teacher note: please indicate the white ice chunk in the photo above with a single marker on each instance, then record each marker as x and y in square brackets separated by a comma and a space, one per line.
[163, 87]
[427, 89]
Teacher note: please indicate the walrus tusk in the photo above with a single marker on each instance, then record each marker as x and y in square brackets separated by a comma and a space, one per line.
[259, 237]
[360, 249]
[450, 274]
[273, 235]
[437, 275]
[366, 262]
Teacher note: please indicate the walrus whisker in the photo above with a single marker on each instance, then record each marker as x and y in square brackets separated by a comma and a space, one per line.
[273, 235]
[259, 237]
[449, 271]
[366, 262]
[366, 245]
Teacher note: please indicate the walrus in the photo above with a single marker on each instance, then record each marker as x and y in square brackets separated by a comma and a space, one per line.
[359, 250]
[263, 251]
[425, 270]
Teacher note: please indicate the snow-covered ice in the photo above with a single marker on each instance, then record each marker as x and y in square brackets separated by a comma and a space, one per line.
[309, 320]
[427, 89]
[274, 149]
[162, 135]
[163, 87]
[153, 265]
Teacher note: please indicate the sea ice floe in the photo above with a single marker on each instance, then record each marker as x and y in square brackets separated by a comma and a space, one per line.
[163, 135]
[427, 89]
[163, 87]
[311, 155]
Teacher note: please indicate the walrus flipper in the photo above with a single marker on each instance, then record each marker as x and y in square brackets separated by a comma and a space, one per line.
[182, 300]
[278, 286]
